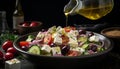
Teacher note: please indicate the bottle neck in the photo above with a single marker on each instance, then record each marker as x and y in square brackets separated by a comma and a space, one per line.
[18, 5]
[18, 9]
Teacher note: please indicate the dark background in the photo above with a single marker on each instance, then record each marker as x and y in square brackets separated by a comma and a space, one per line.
[50, 12]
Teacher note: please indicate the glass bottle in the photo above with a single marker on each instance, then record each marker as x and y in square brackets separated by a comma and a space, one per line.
[18, 15]
[91, 9]
[3, 23]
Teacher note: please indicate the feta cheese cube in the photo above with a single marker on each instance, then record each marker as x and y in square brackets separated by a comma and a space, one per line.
[72, 33]
[56, 35]
[94, 38]
[40, 35]
[57, 40]
[73, 43]
[46, 48]
[56, 50]
[82, 50]
[13, 64]
[61, 31]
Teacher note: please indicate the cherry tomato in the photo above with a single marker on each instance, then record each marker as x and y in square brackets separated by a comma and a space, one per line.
[73, 53]
[67, 29]
[24, 43]
[8, 56]
[34, 24]
[7, 44]
[48, 39]
[1, 54]
[12, 50]
[25, 24]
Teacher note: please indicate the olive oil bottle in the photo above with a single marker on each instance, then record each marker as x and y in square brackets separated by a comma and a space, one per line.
[18, 15]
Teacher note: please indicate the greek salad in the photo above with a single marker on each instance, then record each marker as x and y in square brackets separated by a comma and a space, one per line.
[62, 41]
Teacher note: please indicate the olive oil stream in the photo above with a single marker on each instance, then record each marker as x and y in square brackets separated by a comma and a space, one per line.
[66, 15]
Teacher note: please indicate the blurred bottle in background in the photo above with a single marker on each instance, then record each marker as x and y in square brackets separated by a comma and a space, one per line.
[3, 22]
[18, 15]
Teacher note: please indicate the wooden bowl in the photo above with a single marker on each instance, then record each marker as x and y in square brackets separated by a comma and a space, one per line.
[111, 32]
[29, 29]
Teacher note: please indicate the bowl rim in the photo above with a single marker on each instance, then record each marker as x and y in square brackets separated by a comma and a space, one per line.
[65, 57]
[110, 29]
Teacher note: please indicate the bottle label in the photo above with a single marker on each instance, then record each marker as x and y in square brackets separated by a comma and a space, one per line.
[16, 21]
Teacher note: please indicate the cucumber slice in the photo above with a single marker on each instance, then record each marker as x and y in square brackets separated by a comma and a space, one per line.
[85, 46]
[82, 39]
[34, 50]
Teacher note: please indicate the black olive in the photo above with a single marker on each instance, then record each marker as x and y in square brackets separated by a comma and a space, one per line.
[65, 49]
[90, 34]
[82, 31]
[92, 47]
[25, 48]
[53, 45]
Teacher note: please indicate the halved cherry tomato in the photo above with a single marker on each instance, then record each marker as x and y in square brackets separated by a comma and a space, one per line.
[73, 53]
[24, 43]
[34, 24]
[48, 39]
[25, 24]
[69, 28]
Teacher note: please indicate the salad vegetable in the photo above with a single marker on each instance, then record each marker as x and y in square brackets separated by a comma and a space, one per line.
[34, 50]
[30, 38]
